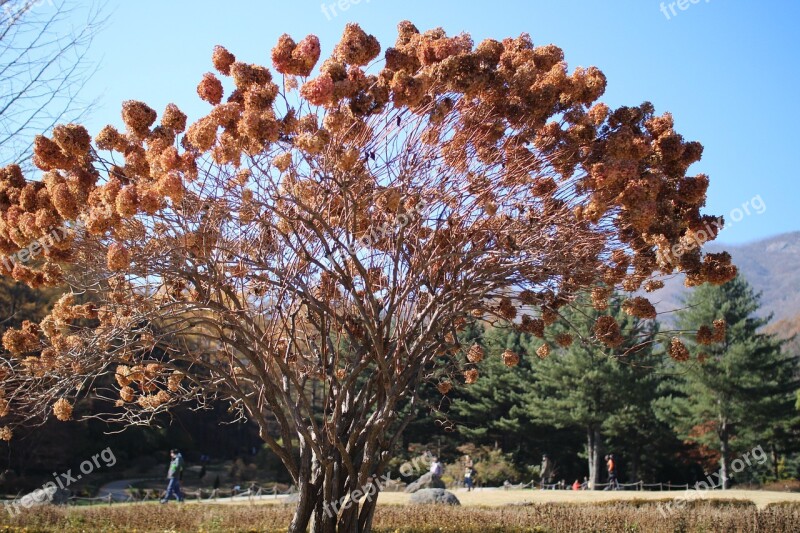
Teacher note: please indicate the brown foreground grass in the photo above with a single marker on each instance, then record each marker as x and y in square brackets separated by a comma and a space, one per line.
[631, 516]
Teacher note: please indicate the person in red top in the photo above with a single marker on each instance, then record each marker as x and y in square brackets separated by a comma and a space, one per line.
[576, 485]
[612, 473]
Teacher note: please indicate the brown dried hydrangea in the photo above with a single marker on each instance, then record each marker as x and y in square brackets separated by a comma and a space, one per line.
[318, 91]
[607, 331]
[470, 376]
[705, 336]
[543, 351]
[62, 409]
[127, 394]
[210, 89]
[296, 59]
[510, 358]
[506, 309]
[23, 340]
[138, 117]
[639, 307]
[222, 60]
[534, 326]
[653, 285]
[720, 330]
[475, 353]
[356, 47]
[564, 340]
[678, 351]
[600, 297]
[118, 257]
[173, 118]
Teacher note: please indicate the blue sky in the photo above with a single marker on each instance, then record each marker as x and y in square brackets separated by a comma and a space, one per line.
[727, 70]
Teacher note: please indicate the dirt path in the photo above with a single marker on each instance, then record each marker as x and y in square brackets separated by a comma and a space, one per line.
[495, 497]
[117, 489]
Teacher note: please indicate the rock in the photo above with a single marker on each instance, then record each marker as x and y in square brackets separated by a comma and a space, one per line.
[43, 496]
[434, 496]
[60, 497]
[393, 485]
[426, 481]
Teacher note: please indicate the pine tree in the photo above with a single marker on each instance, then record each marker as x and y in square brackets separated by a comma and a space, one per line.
[734, 394]
[599, 390]
[484, 411]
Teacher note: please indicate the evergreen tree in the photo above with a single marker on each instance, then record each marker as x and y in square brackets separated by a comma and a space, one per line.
[483, 411]
[599, 390]
[737, 392]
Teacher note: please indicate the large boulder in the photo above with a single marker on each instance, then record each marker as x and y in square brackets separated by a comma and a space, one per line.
[426, 481]
[434, 496]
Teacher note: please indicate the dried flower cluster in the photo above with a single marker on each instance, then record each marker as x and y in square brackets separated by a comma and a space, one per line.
[543, 351]
[475, 353]
[607, 331]
[678, 351]
[510, 358]
[62, 409]
[639, 307]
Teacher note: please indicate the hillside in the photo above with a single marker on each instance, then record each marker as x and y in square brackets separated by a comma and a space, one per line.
[772, 266]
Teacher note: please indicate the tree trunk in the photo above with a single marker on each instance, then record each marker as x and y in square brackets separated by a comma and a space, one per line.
[307, 493]
[593, 452]
[330, 502]
[775, 460]
[634, 475]
[723, 460]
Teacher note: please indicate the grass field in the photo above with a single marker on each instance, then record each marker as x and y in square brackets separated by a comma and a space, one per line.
[483, 510]
[629, 517]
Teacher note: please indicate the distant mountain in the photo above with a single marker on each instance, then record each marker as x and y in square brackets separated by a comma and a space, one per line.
[771, 266]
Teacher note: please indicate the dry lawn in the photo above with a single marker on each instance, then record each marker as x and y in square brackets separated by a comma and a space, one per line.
[629, 517]
[513, 511]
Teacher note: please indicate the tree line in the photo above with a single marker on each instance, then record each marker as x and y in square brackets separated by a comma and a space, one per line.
[668, 413]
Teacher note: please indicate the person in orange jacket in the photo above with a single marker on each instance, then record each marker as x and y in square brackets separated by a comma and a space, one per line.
[611, 465]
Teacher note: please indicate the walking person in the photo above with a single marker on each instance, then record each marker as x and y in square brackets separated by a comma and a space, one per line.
[547, 471]
[174, 473]
[611, 465]
[469, 472]
[436, 469]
